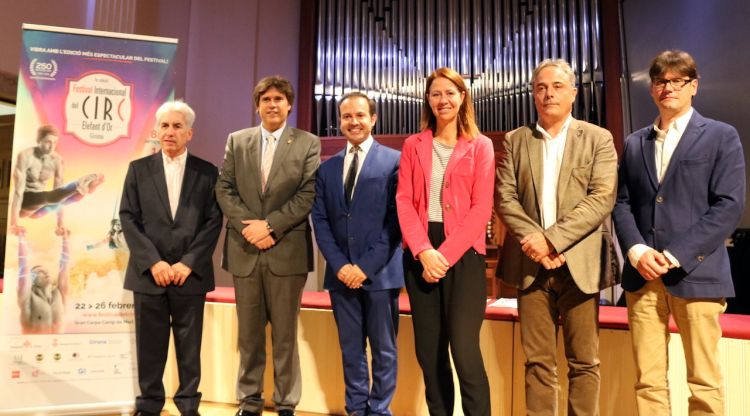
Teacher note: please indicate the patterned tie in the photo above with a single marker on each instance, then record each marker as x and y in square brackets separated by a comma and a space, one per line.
[351, 176]
[265, 164]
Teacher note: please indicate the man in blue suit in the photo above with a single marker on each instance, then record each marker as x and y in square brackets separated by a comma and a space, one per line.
[357, 230]
[681, 194]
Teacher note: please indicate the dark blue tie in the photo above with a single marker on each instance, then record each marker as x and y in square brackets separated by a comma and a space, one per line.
[351, 176]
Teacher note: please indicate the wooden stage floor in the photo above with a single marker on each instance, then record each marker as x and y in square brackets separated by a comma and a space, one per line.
[218, 409]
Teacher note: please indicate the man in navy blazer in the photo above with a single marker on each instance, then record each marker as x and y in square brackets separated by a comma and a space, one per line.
[357, 230]
[681, 194]
[171, 223]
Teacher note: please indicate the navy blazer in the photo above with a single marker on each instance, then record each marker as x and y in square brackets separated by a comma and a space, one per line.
[153, 235]
[690, 213]
[366, 233]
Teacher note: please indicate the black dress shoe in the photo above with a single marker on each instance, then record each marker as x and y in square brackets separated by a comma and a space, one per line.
[286, 412]
[190, 413]
[145, 413]
[241, 412]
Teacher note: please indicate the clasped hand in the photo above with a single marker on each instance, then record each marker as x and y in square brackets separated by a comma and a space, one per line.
[653, 264]
[352, 276]
[164, 274]
[540, 250]
[256, 233]
[434, 264]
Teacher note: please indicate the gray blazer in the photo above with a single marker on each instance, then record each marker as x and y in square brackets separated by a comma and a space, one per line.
[585, 198]
[285, 204]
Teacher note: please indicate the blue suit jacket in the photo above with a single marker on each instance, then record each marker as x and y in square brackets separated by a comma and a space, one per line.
[366, 233]
[695, 208]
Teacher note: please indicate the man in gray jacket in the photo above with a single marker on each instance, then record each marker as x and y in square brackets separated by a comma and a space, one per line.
[266, 189]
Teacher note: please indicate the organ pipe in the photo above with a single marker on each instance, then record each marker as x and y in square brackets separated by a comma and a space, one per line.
[387, 48]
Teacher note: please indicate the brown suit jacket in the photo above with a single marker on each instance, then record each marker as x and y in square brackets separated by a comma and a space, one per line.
[585, 197]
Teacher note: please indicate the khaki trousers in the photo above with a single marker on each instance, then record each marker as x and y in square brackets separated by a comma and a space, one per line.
[698, 322]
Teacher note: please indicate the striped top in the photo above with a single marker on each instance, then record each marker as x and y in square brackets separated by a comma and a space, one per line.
[440, 155]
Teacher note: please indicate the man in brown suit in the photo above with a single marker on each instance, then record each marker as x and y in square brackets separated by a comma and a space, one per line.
[556, 185]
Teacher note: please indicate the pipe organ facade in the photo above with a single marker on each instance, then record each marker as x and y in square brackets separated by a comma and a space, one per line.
[387, 48]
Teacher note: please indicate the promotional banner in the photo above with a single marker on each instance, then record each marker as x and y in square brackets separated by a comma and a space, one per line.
[85, 108]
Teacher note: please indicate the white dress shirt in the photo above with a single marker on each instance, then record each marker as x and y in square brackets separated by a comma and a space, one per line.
[665, 145]
[552, 156]
[364, 148]
[174, 171]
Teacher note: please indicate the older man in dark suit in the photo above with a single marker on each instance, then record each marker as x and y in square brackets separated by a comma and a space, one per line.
[171, 223]
[266, 189]
[681, 194]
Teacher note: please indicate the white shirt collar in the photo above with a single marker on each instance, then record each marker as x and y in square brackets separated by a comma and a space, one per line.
[276, 133]
[679, 124]
[563, 130]
[179, 159]
[364, 147]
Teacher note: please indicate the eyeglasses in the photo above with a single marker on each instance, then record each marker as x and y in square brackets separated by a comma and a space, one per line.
[676, 83]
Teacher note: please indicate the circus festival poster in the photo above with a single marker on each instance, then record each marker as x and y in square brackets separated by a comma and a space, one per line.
[85, 108]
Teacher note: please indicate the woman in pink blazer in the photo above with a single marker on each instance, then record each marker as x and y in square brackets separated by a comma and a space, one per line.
[444, 200]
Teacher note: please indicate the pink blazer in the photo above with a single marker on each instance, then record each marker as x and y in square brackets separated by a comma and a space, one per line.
[467, 194]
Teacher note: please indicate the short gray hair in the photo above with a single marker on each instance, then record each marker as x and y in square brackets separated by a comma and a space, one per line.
[178, 106]
[560, 64]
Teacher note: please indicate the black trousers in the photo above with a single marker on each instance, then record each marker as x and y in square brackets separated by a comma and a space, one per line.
[154, 316]
[450, 314]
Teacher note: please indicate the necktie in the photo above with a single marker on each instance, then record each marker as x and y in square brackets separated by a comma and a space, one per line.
[267, 161]
[351, 176]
